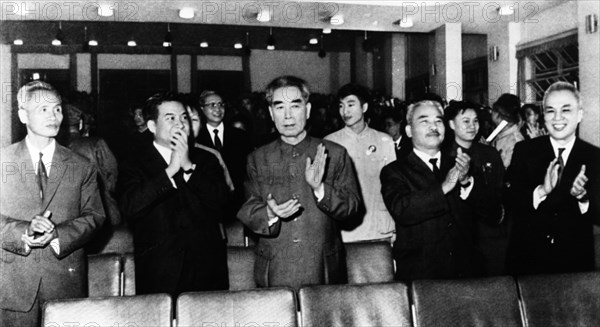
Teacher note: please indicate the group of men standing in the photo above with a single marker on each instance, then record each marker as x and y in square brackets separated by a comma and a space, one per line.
[300, 192]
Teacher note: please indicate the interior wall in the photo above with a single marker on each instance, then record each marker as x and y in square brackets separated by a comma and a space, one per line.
[6, 92]
[550, 22]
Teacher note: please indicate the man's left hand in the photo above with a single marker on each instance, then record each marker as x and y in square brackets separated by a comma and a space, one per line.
[179, 144]
[315, 169]
[578, 189]
[39, 242]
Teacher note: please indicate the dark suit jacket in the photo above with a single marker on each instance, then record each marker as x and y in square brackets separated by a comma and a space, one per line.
[236, 147]
[556, 237]
[175, 230]
[435, 232]
[73, 198]
[405, 147]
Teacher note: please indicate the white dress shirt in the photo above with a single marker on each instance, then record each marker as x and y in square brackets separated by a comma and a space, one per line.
[220, 132]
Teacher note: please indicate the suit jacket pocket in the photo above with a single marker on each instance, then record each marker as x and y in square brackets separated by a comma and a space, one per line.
[264, 255]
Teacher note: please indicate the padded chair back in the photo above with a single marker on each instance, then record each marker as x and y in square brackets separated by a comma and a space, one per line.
[235, 233]
[490, 302]
[561, 300]
[143, 310]
[369, 262]
[260, 307]
[104, 274]
[355, 305]
[128, 279]
[240, 262]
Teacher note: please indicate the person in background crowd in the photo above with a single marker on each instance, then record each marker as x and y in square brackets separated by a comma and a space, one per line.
[233, 144]
[50, 207]
[555, 192]
[393, 126]
[435, 203]
[532, 127]
[488, 174]
[174, 196]
[507, 108]
[370, 151]
[297, 192]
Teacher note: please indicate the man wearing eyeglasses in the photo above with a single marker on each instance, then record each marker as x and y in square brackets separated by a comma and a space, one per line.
[233, 144]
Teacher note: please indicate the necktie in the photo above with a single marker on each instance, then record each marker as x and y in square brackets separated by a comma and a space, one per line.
[42, 177]
[561, 165]
[218, 144]
[179, 180]
[436, 171]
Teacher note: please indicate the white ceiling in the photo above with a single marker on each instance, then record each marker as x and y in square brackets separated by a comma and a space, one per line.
[475, 16]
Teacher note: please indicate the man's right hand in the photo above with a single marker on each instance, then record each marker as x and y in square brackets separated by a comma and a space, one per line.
[551, 178]
[284, 210]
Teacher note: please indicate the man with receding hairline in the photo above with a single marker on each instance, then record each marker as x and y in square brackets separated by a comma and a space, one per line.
[555, 192]
[50, 208]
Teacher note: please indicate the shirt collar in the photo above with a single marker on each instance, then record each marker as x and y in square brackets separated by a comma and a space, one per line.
[164, 152]
[211, 132]
[362, 133]
[47, 153]
[425, 157]
[568, 147]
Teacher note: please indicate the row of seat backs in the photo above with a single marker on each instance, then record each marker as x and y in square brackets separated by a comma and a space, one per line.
[550, 300]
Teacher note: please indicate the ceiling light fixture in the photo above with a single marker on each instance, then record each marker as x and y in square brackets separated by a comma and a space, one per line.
[59, 36]
[93, 43]
[264, 15]
[186, 13]
[18, 42]
[168, 37]
[105, 10]
[407, 23]
[337, 19]
[131, 43]
[238, 45]
[327, 31]
[270, 40]
[204, 44]
[313, 40]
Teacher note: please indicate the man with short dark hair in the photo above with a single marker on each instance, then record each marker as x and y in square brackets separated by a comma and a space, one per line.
[298, 187]
[370, 151]
[173, 197]
[50, 208]
[555, 192]
[394, 128]
[433, 201]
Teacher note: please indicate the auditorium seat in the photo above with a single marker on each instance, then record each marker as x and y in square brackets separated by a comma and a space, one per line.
[104, 274]
[142, 310]
[369, 262]
[260, 307]
[240, 262]
[355, 305]
[128, 276]
[561, 300]
[490, 302]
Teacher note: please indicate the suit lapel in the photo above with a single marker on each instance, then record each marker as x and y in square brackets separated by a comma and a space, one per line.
[60, 165]
[420, 167]
[28, 169]
[204, 138]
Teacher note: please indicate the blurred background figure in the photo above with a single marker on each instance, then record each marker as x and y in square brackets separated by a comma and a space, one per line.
[532, 126]
[507, 108]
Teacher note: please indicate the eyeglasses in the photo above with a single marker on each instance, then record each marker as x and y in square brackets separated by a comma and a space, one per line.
[215, 105]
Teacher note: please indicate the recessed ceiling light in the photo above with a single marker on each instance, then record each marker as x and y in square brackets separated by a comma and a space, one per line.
[131, 43]
[270, 47]
[264, 15]
[327, 31]
[407, 22]
[18, 42]
[56, 42]
[167, 44]
[238, 45]
[506, 10]
[313, 40]
[105, 10]
[186, 13]
[93, 43]
[337, 19]
[35, 76]
[204, 44]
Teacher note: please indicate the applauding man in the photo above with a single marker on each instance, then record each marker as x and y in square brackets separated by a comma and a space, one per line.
[434, 203]
[555, 192]
[173, 197]
[297, 188]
